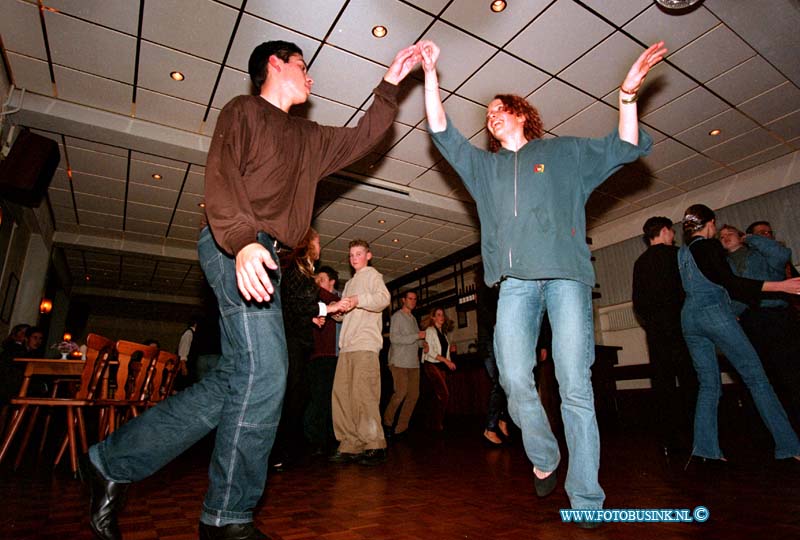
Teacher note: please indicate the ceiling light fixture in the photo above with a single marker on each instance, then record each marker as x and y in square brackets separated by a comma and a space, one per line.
[379, 31]
[381, 221]
[396, 240]
[676, 4]
[715, 132]
[176, 76]
[201, 204]
[156, 176]
[498, 5]
[406, 256]
[45, 306]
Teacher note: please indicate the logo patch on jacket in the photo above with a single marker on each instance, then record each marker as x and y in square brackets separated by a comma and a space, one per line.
[538, 168]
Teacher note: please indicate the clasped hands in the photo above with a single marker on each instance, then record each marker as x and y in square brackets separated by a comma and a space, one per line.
[337, 309]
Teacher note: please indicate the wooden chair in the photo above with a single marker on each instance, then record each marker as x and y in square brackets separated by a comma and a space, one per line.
[134, 363]
[99, 352]
[159, 384]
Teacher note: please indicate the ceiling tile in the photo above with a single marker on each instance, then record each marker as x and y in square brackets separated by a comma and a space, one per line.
[447, 234]
[431, 6]
[145, 227]
[60, 197]
[74, 142]
[437, 182]
[195, 183]
[705, 179]
[775, 103]
[619, 11]
[462, 55]
[543, 44]
[353, 30]
[360, 232]
[712, 53]
[189, 202]
[141, 172]
[742, 146]
[86, 89]
[426, 245]
[386, 168]
[417, 148]
[676, 31]
[760, 157]
[395, 239]
[730, 123]
[518, 78]
[157, 62]
[657, 197]
[419, 226]
[327, 73]
[311, 17]
[467, 117]
[665, 153]
[232, 83]
[60, 180]
[329, 227]
[122, 15]
[21, 29]
[687, 169]
[391, 218]
[253, 31]
[190, 220]
[787, 127]
[86, 47]
[97, 163]
[616, 55]
[65, 215]
[147, 212]
[152, 195]
[31, 74]
[325, 112]
[98, 185]
[597, 120]
[557, 101]
[476, 17]
[168, 110]
[345, 212]
[206, 35]
[747, 80]
[411, 100]
[685, 111]
[96, 219]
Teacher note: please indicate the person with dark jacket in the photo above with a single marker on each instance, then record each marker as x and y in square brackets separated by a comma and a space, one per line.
[261, 175]
[657, 301]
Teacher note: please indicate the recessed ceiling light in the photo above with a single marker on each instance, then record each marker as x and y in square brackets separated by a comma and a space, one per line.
[379, 31]
[396, 240]
[87, 277]
[381, 221]
[201, 204]
[715, 132]
[176, 76]
[406, 256]
[416, 268]
[498, 5]
[156, 176]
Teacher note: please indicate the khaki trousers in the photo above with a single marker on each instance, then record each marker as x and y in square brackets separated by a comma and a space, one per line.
[356, 402]
[406, 392]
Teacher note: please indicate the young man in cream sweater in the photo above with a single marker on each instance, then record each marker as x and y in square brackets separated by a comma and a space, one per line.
[357, 383]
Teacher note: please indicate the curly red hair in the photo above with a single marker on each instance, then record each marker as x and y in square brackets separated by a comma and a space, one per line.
[533, 127]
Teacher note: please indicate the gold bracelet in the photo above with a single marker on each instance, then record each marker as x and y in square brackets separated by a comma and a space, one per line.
[629, 100]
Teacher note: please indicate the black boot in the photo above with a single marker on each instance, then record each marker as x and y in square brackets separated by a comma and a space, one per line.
[234, 531]
[106, 500]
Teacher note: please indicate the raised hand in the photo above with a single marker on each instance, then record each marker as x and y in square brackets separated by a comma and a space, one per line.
[649, 58]
[402, 65]
[430, 54]
[251, 276]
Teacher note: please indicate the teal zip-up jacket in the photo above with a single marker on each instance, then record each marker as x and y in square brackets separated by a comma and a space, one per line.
[531, 202]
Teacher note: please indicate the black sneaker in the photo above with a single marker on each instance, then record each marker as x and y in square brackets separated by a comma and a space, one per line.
[545, 486]
[375, 456]
[234, 531]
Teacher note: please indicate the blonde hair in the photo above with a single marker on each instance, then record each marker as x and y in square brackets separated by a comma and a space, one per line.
[427, 320]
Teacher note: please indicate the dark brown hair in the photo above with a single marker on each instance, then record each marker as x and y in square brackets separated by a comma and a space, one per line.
[516, 105]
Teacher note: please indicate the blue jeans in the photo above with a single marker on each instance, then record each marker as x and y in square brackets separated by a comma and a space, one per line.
[519, 316]
[241, 397]
[714, 325]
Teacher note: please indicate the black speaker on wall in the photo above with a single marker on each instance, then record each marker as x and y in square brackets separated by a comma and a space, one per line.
[27, 171]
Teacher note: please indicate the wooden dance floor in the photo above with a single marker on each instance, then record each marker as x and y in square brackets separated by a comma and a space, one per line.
[448, 486]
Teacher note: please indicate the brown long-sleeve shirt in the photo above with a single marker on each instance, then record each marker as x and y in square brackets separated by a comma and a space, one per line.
[263, 166]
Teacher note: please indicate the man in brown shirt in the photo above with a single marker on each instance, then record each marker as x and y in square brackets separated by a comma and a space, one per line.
[261, 175]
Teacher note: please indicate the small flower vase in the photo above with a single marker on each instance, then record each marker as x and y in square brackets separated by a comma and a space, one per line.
[64, 355]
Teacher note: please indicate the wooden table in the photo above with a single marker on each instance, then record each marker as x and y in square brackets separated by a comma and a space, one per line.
[49, 366]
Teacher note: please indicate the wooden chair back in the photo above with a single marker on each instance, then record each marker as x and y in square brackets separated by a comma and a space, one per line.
[134, 361]
[99, 351]
[164, 373]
